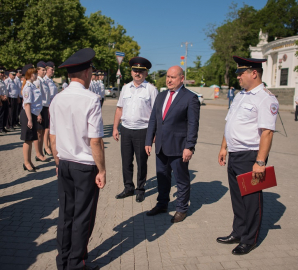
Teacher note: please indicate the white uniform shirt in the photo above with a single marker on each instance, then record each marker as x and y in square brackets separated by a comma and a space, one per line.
[137, 104]
[45, 91]
[3, 89]
[296, 99]
[19, 85]
[75, 117]
[92, 87]
[64, 85]
[249, 112]
[167, 98]
[13, 89]
[52, 86]
[32, 95]
[102, 89]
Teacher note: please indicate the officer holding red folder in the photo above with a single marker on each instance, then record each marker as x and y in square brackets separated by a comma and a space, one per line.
[250, 124]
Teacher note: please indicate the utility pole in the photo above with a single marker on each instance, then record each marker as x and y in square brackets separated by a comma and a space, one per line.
[110, 44]
[186, 50]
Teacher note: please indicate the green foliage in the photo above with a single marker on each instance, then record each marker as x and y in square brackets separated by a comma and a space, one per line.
[34, 30]
[240, 30]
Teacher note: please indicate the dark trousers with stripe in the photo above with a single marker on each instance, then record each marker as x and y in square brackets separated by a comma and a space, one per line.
[13, 112]
[248, 209]
[78, 195]
[3, 114]
[133, 142]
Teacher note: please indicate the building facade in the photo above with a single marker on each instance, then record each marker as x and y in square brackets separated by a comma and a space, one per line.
[278, 71]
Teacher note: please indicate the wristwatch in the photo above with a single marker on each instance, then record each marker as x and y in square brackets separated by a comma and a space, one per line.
[260, 163]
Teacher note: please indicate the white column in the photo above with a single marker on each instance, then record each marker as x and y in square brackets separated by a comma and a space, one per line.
[269, 70]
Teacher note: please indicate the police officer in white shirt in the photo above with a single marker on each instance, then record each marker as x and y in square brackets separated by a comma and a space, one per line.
[133, 109]
[76, 131]
[18, 82]
[3, 102]
[43, 127]
[93, 86]
[250, 124]
[13, 97]
[50, 68]
[101, 76]
[64, 85]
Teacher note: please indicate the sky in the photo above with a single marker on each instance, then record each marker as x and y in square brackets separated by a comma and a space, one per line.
[160, 27]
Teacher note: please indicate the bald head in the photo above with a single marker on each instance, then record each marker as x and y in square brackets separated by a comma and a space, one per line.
[175, 78]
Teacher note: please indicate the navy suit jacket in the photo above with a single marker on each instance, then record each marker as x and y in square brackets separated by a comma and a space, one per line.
[179, 129]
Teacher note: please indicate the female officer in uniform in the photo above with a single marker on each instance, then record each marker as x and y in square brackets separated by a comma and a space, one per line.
[32, 106]
[41, 127]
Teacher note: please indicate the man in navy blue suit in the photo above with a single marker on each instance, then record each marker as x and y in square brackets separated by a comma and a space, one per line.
[174, 123]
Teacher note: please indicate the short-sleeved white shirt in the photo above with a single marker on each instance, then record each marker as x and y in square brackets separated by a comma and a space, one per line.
[102, 89]
[249, 113]
[13, 89]
[19, 85]
[64, 85]
[52, 86]
[75, 117]
[3, 89]
[137, 104]
[45, 91]
[296, 99]
[32, 95]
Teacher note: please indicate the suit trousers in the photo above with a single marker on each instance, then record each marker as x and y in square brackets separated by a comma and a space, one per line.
[3, 114]
[296, 113]
[78, 195]
[164, 166]
[230, 101]
[248, 209]
[133, 142]
[13, 112]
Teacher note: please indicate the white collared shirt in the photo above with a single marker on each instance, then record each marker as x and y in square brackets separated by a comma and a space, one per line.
[102, 89]
[75, 117]
[13, 89]
[167, 98]
[249, 113]
[45, 91]
[137, 104]
[3, 89]
[32, 95]
[19, 85]
[52, 86]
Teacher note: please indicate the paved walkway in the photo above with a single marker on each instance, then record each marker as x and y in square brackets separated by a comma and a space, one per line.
[124, 237]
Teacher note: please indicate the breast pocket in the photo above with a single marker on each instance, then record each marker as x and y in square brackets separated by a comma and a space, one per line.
[246, 111]
[127, 99]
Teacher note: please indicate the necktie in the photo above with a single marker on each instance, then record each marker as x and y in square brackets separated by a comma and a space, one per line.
[168, 104]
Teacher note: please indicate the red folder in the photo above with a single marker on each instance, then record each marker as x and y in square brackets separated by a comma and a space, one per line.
[248, 185]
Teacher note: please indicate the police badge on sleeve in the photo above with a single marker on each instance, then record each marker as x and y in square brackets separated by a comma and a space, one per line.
[274, 108]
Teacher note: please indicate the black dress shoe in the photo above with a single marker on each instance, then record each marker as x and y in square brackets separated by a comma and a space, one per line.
[9, 129]
[46, 153]
[26, 169]
[38, 159]
[243, 249]
[228, 240]
[124, 194]
[178, 217]
[156, 210]
[140, 197]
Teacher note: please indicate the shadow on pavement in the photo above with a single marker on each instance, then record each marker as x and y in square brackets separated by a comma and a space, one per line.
[11, 146]
[273, 210]
[108, 131]
[132, 232]
[24, 221]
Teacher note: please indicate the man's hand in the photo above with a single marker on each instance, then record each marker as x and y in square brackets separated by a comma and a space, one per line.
[258, 172]
[148, 150]
[57, 171]
[187, 154]
[116, 134]
[100, 179]
[222, 157]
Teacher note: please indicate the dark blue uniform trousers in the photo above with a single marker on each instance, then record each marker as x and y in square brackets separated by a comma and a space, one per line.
[78, 195]
[248, 209]
[164, 166]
